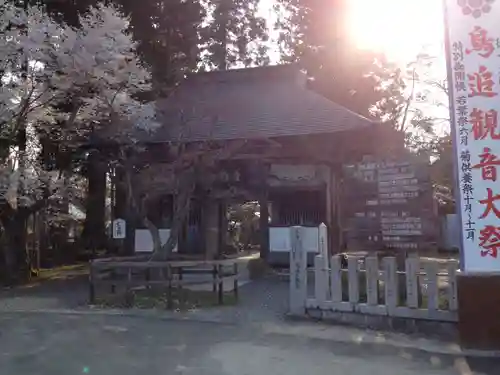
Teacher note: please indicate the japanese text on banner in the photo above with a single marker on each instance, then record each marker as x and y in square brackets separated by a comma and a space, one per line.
[474, 64]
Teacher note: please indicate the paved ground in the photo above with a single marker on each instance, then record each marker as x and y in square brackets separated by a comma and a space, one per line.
[60, 336]
[98, 344]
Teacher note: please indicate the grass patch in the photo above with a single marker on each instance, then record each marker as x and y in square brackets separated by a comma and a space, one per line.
[63, 272]
[181, 299]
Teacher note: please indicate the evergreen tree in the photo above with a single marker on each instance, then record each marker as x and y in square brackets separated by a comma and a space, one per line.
[314, 34]
[235, 35]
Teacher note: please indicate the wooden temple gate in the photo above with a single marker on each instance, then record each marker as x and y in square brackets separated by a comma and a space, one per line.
[296, 146]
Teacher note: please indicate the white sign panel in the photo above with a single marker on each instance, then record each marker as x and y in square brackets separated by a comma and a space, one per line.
[474, 74]
[119, 229]
[144, 240]
[279, 239]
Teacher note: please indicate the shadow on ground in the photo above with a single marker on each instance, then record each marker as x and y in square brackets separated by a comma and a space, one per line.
[245, 339]
[98, 344]
[63, 287]
[68, 288]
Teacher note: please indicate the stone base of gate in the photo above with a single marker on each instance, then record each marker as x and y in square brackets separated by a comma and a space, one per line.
[479, 310]
[438, 329]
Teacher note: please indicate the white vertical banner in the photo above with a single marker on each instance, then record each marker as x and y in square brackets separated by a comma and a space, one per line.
[473, 52]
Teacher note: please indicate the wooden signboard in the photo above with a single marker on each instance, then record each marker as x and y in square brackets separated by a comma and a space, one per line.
[388, 205]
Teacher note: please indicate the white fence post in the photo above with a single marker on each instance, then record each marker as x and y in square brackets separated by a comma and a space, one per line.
[320, 281]
[452, 286]
[298, 272]
[336, 278]
[412, 267]
[323, 252]
[323, 242]
[372, 275]
[391, 284]
[353, 279]
[431, 270]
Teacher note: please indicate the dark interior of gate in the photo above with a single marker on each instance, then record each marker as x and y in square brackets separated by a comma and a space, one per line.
[298, 207]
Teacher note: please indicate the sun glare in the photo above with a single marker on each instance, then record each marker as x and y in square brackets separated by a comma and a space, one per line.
[400, 28]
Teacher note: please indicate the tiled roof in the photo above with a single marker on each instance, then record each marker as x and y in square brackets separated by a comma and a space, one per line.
[248, 104]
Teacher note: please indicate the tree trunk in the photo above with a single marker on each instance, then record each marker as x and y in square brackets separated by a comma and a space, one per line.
[211, 227]
[64, 253]
[17, 262]
[94, 230]
[155, 234]
[264, 213]
[179, 215]
[223, 227]
[44, 239]
[264, 227]
[181, 211]
[120, 210]
[9, 260]
[222, 34]
[186, 183]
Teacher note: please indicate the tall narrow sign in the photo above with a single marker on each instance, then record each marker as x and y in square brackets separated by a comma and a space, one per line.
[473, 52]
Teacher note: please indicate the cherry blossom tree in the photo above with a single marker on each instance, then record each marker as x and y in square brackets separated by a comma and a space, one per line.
[93, 70]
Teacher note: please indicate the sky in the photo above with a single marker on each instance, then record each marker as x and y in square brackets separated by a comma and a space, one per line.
[401, 29]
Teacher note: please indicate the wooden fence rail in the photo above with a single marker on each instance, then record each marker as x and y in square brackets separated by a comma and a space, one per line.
[127, 274]
[421, 291]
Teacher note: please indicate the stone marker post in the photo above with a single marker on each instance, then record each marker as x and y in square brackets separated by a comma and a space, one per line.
[298, 272]
[323, 243]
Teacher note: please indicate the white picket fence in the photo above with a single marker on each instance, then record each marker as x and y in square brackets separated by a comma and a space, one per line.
[427, 289]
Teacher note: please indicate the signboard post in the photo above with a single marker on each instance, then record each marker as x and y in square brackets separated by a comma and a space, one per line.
[473, 56]
[391, 205]
[119, 229]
